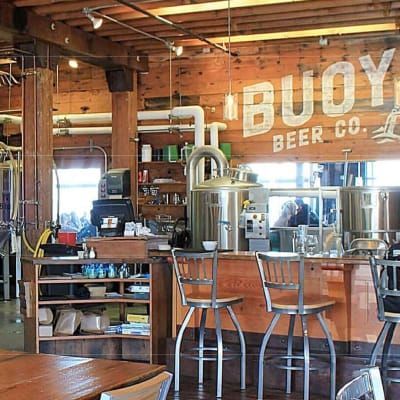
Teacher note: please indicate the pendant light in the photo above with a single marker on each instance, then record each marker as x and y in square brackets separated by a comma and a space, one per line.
[230, 99]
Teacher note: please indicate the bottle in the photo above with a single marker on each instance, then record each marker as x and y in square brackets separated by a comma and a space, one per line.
[146, 153]
[101, 272]
[92, 253]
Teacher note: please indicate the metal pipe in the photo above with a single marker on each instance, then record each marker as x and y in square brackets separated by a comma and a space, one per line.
[193, 162]
[169, 23]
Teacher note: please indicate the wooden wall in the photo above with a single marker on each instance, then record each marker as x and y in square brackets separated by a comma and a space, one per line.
[337, 71]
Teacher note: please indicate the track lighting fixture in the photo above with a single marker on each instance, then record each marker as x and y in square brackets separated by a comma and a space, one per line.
[97, 22]
[178, 50]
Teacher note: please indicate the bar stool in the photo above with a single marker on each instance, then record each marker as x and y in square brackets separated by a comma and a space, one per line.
[284, 272]
[192, 273]
[386, 278]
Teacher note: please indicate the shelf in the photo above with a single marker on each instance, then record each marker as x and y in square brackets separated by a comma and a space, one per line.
[97, 280]
[93, 301]
[162, 184]
[99, 336]
[163, 205]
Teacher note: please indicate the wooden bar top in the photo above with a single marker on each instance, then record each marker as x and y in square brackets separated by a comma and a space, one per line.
[51, 377]
[250, 255]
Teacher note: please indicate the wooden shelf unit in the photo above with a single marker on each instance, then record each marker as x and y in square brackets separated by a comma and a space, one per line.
[147, 203]
[150, 348]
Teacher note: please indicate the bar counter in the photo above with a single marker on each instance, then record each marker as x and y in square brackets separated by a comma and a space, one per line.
[352, 321]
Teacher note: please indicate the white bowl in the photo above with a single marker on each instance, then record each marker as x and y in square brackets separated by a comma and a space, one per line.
[210, 245]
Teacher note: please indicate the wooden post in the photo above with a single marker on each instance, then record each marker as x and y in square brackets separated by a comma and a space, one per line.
[124, 133]
[37, 150]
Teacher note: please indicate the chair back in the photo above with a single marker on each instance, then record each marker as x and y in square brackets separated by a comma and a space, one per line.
[192, 270]
[152, 389]
[284, 272]
[367, 386]
[386, 278]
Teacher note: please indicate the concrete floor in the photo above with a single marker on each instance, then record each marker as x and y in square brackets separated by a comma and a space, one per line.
[11, 326]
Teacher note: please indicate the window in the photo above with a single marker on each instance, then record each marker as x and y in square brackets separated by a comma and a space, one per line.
[78, 188]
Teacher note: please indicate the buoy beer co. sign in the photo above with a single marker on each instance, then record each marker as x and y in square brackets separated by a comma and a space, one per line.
[259, 116]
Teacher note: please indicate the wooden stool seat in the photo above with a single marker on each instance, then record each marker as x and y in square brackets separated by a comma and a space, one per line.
[201, 302]
[311, 303]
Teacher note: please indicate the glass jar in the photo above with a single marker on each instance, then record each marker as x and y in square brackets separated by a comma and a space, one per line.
[146, 153]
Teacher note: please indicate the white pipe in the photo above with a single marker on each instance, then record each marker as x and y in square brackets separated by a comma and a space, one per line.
[199, 136]
[164, 128]
[215, 127]
[13, 119]
[93, 130]
[149, 115]
[83, 118]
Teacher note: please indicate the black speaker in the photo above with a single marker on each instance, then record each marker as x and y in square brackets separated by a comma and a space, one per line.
[119, 79]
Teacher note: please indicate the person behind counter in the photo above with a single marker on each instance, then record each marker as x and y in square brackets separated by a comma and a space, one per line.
[288, 210]
[304, 215]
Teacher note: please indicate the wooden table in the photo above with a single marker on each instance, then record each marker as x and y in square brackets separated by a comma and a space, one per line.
[52, 377]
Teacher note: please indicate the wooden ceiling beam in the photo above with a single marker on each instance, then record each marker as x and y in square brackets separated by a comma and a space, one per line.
[286, 19]
[77, 19]
[73, 41]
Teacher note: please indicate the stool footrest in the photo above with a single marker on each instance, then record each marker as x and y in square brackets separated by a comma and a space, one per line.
[192, 354]
[278, 358]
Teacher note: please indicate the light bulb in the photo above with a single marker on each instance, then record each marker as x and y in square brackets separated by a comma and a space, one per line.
[231, 107]
[73, 63]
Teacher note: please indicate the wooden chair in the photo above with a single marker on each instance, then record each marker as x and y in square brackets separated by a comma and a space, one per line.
[282, 277]
[152, 389]
[367, 386]
[192, 275]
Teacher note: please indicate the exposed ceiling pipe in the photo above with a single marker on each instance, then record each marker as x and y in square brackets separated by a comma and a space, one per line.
[171, 24]
[197, 113]
[215, 127]
[11, 119]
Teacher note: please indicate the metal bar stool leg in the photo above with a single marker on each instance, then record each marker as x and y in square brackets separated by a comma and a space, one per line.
[201, 343]
[264, 343]
[220, 351]
[385, 354]
[242, 348]
[378, 343]
[332, 355]
[306, 385]
[289, 354]
[178, 346]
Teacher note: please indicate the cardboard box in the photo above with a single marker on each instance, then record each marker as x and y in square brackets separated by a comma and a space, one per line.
[119, 247]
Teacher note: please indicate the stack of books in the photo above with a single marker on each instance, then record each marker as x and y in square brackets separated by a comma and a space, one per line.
[135, 328]
[137, 318]
[132, 328]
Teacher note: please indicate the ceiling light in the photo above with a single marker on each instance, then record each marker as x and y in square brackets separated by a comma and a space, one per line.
[97, 22]
[73, 63]
[230, 100]
[178, 50]
[323, 41]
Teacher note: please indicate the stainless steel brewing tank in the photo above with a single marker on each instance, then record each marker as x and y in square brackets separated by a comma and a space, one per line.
[370, 212]
[215, 210]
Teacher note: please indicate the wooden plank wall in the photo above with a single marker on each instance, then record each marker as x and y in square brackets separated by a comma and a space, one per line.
[204, 76]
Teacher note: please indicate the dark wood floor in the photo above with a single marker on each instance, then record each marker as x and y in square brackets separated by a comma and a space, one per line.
[191, 391]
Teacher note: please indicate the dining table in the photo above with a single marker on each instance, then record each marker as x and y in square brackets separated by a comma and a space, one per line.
[54, 377]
